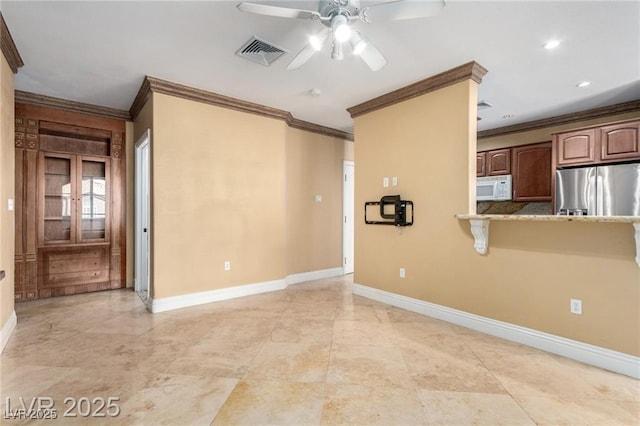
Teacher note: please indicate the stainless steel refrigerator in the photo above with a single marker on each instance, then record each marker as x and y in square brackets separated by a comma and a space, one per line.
[599, 191]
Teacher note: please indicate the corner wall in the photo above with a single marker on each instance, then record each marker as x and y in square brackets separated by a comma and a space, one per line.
[314, 229]
[238, 187]
[532, 269]
[7, 191]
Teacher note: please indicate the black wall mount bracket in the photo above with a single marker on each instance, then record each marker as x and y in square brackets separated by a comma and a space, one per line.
[392, 211]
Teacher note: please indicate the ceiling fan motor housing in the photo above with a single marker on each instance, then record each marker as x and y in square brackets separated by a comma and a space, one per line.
[330, 8]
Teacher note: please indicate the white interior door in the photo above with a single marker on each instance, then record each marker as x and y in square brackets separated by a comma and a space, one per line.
[348, 195]
[142, 222]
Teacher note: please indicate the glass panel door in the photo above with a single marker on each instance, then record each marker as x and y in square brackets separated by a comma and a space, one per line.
[94, 203]
[58, 202]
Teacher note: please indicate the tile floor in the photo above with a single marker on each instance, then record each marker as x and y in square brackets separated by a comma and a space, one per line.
[311, 354]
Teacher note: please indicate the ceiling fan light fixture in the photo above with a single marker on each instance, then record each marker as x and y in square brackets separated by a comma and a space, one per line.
[357, 44]
[337, 53]
[341, 29]
[315, 42]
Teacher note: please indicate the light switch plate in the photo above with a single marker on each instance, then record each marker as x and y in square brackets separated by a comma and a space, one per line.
[318, 198]
[385, 182]
[10, 204]
[394, 181]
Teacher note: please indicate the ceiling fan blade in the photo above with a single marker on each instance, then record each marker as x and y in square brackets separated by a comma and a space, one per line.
[371, 55]
[281, 12]
[401, 9]
[309, 50]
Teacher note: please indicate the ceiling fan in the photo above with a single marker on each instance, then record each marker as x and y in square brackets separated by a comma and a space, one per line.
[338, 15]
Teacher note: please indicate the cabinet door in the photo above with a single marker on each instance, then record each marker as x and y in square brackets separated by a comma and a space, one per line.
[57, 202]
[499, 162]
[620, 141]
[93, 199]
[576, 147]
[481, 158]
[532, 172]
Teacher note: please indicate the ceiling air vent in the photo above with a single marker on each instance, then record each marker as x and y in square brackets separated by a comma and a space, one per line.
[484, 104]
[260, 51]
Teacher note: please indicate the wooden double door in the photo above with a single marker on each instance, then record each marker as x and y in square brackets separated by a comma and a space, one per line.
[70, 185]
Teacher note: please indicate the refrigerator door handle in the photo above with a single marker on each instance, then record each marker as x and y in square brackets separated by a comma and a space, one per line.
[599, 193]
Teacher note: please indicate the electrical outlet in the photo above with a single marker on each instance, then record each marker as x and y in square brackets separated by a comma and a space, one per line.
[385, 182]
[402, 272]
[576, 306]
[394, 181]
[227, 266]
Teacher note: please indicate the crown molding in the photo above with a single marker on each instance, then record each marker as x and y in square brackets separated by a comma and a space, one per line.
[141, 98]
[156, 85]
[8, 47]
[563, 119]
[73, 106]
[317, 128]
[469, 71]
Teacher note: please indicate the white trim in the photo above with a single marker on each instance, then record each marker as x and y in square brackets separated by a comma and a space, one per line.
[193, 299]
[314, 275]
[142, 186]
[594, 355]
[348, 216]
[7, 330]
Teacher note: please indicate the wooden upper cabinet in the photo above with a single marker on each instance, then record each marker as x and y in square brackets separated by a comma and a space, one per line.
[481, 158]
[620, 141]
[598, 144]
[578, 147]
[532, 172]
[493, 163]
[498, 162]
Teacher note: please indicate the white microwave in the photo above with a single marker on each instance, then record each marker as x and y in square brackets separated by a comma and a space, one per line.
[493, 188]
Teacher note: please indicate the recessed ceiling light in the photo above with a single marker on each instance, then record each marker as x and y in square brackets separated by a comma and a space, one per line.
[315, 92]
[584, 84]
[508, 116]
[552, 44]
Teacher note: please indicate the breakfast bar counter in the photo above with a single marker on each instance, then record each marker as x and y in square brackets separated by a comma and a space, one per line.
[480, 225]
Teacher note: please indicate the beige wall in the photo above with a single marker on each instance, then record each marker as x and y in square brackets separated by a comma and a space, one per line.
[544, 134]
[7, 190]
[532, 269]
[314, 230]
[349, 148]
[219, 191]
[227, 185]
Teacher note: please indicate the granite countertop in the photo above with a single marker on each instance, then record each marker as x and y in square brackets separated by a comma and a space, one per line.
[550, 218]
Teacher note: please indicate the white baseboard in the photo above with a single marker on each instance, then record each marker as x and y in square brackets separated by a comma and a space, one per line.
[7, 330]
[183, 301]
[594, 355]
[193, 299]
[314, 275]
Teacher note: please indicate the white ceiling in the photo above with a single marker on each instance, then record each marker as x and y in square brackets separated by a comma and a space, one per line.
[99, 52]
